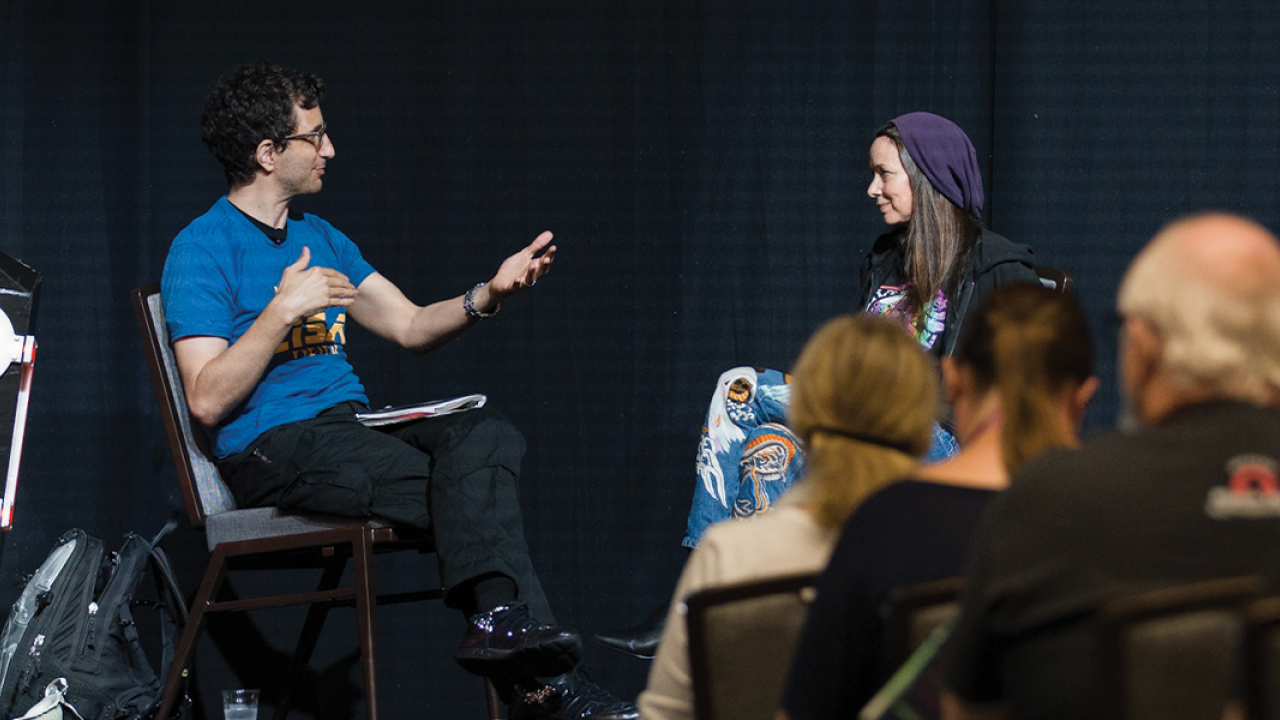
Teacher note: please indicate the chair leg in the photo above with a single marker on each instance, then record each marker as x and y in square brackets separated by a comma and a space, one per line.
[181, 669]
[492, 700]
[366, 601]
[311, 628]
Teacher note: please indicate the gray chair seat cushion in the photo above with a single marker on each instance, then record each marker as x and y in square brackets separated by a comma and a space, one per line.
[264, 522]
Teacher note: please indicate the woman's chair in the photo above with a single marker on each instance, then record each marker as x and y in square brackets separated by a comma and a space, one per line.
[742, 638]
[915, 611]
[258, 538]
[1054, 278]
[1171, 654]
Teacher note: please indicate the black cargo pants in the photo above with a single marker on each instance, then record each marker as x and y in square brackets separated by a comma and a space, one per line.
[454, 475]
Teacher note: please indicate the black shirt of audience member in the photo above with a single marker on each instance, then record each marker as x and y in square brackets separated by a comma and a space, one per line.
[1125, 514]
[908, 533]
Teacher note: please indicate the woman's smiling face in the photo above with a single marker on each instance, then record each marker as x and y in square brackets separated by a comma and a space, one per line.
[890, 187]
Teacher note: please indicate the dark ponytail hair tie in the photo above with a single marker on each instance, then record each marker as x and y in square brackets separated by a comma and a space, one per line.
[901, 447]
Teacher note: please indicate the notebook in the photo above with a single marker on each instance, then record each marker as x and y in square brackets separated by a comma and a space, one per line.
[435, 408]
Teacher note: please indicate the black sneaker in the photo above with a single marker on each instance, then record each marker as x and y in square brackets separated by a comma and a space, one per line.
[572, 696]
[508, 641]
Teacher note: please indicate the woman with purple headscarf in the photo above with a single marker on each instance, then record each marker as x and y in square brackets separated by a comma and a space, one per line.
[934, 265]
[938, 262]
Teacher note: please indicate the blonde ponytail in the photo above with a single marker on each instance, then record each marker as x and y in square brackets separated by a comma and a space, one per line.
[863, 400]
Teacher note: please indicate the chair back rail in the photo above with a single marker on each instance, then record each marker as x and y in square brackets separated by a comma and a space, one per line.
[203, 490]
[914, 612]
[742, 638]
[1054, 278]
[1172, 653]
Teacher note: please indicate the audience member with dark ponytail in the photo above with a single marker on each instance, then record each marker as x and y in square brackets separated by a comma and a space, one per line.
[1027, 359]
[1019, 380]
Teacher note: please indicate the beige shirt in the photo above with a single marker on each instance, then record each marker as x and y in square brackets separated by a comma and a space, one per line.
[785, 541]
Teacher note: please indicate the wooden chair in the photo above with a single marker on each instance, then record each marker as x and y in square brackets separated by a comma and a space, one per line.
[1171, 654]
[1053, 278]
[742, 638]
[914, 612]
[258, 538]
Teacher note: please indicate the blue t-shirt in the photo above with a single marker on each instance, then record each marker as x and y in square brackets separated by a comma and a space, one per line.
[221, 272]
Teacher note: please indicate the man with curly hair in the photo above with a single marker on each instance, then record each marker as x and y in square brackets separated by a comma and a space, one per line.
[257, 299]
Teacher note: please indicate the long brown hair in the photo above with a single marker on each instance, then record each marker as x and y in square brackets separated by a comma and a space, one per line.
[863, 400]
[1032, 343]
[939, 236]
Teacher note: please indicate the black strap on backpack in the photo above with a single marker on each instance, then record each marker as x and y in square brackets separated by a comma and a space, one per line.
[173, 616]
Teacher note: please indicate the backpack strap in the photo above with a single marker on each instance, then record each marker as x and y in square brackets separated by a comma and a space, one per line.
[164, 531]
[173, 615]
[173, 607]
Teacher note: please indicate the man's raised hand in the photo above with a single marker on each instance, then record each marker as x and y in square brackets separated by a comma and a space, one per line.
[523, 269]
[305, 291]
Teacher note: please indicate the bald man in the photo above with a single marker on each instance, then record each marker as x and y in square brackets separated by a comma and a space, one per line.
[1188, 492]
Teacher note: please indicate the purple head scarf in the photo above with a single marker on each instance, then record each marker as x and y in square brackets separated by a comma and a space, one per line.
[946, 157]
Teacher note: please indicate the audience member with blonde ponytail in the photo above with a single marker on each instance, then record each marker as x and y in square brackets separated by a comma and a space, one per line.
[1019, 381]
[864, 397]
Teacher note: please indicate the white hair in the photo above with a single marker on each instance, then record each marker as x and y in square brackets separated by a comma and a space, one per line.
[1219, 338]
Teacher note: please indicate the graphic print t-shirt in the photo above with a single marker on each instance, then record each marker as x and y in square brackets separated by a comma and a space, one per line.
[887, 300]
[221, 272]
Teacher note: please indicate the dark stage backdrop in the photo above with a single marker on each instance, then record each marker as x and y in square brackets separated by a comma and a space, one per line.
[703, 165]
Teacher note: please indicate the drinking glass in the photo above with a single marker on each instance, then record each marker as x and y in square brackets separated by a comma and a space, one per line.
[240, 704]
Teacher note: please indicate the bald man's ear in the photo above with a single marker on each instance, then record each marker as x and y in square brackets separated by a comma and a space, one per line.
[1146, 340]
[1141, 354]
[265, 154]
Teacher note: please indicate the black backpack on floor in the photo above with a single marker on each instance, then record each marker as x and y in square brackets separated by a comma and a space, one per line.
[74, 620]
